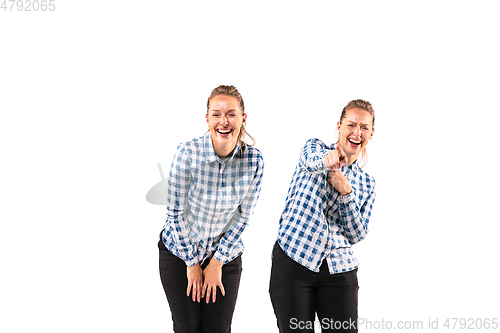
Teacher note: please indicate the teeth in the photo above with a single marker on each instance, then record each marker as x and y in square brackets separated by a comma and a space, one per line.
[224, 132]
[355, 141]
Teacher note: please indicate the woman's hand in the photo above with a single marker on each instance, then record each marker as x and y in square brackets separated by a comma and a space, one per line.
[195, 281]
[335, 159]
[213, 279]
[339, 182]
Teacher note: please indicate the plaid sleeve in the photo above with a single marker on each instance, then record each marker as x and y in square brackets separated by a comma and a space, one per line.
[354, 218]
[312, 156]
[179, 179]
[227, 249]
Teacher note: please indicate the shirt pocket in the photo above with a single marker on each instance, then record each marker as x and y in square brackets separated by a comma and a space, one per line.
[240, 187]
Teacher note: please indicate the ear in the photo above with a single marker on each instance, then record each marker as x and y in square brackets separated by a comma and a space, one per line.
[244, 118]
[206, 116]
[338, 126]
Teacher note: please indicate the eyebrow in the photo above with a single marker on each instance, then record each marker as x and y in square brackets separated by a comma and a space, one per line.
[353, 122]
[227, 110]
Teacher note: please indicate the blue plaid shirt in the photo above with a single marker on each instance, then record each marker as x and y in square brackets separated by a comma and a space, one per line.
[210, 200]
[317, 222]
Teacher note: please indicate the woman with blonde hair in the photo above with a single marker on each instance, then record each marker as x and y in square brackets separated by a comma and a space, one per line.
[213, 186]
[327, 210]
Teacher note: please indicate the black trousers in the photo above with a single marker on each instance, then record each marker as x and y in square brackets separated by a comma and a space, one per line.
[297, 294]
[194, 317]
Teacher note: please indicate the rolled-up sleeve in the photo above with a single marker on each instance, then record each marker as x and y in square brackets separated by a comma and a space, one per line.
[312, 156]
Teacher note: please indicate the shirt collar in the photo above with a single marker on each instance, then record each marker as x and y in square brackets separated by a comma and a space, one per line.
[211, 156]
[354, 167]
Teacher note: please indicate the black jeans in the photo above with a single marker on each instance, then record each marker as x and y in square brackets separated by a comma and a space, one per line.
[194, 317]
[298, 293]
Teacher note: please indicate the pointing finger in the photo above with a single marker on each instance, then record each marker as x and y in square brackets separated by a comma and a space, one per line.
[342, 157]
[340, 152]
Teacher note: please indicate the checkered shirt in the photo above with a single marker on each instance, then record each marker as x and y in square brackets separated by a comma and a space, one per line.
[210, 200]
[317, 222]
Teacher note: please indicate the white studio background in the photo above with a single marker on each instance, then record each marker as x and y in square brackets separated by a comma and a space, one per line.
[95, 93]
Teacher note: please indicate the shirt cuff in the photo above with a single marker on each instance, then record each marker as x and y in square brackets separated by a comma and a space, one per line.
[346, 198]
[322, 159]
[191, 262]
[220, 258]
[190, 258]
[226, 258]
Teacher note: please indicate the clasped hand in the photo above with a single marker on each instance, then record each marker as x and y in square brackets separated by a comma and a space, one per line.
[334, 161]
[204, 283]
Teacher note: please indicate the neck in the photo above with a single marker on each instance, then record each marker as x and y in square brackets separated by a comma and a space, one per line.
[224, 151]
[351, 158]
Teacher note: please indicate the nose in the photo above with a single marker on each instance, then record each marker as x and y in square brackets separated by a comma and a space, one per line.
[223, 120]
[357, 131]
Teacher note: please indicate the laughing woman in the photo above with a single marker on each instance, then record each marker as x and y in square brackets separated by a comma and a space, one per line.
[327, 210]
[213, 187]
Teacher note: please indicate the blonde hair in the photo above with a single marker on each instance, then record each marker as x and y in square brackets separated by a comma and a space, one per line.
[364, 105]
[232, 92]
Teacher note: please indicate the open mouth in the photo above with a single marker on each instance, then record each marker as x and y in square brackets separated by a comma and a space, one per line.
[224, 131]
[354, 142]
